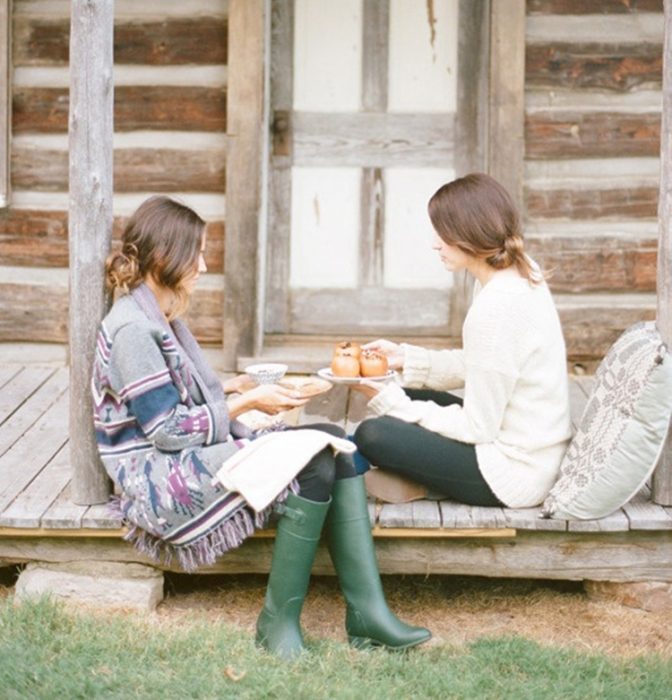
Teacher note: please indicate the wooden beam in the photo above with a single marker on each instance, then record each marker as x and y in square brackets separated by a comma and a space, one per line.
[246, 124]
[280, 167]
[472, 87]
[5, 101]
[373, 139]
[374, 93]
[179, 108]
[90, 216]
[506, 99]
[662, 480]
[618, 556]
[171, 41]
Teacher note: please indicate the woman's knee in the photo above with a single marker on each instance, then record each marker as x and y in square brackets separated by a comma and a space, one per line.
[370, 433]
[316, 480]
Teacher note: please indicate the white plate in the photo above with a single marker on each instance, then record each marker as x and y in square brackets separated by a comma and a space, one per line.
[327, 374]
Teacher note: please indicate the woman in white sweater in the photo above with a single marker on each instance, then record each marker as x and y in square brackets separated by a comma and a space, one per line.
[503, 443]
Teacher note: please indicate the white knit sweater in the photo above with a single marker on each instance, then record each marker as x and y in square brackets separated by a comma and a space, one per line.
[516, 396]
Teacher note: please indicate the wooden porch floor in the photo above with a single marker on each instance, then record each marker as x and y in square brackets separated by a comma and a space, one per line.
[35, 474]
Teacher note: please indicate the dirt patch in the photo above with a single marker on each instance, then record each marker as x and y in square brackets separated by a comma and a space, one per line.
[457, 610]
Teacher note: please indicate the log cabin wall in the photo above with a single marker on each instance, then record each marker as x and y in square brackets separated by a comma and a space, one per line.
[592, 120]
[170, 137]
[593, 100]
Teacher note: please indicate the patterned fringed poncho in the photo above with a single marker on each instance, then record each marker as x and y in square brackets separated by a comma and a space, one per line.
[163, 431]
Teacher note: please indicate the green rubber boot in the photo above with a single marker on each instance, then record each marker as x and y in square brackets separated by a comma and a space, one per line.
[298, 533]
[368, 620]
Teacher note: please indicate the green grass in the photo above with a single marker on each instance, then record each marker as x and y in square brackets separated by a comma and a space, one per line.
[48, 652]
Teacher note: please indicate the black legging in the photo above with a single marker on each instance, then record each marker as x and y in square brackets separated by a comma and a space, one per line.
[446, 466]
[316, 479]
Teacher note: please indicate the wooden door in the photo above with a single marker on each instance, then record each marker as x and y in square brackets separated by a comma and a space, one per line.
[363, 112]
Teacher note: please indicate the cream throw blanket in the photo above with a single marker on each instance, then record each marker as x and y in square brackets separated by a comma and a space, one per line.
[261, 470]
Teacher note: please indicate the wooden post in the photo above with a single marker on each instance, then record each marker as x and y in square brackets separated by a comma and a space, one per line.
[90, 225]
[5, 99]
[506, 113]
[246, 106]
[662, 479]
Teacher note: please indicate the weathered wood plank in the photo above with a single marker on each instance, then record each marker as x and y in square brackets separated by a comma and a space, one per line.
[27, 509]
[373, 140]
[472, 86]
[375, 55]
[458, 515]
[40, 238]
[5, 101]
[646, 515]
[33, 238]
[183, 108]
[599, 66]
[528, 519]
[100, 517]
[396, 515]
[276, 318]
[204, 315]
[63, 514]
[616, 522]
[90, 129]
[426, 514]
[591, 323]
[248, 141]
[506, 97]
[616, 263]
[581, 7]
[591, 134]
[45, 41]
[45, 386]
[34, 306]
[632, 556]
[372, 231]
[662, 478]
[362, 310]
[26, 458]
[20, 388]
[575, 203]
[33, 310]
[8, 372]
[135, 170]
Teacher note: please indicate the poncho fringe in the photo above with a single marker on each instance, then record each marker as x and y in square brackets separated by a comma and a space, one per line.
[227, 535]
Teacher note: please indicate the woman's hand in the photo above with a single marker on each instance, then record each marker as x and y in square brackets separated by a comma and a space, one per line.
[239, 384]
[267, 398]
[393, 352]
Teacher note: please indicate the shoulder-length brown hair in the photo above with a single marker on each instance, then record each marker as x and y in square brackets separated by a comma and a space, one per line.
[163, 239]
[477, 215]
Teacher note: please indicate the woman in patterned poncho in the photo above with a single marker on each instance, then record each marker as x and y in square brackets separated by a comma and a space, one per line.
[164, 426]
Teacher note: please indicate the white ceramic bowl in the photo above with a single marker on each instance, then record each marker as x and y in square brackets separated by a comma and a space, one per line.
[266, 373]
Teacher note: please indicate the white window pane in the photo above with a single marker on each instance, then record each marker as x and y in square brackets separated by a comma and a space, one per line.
[423, 56]
[327, 55]
[325, 227]
[410, 261]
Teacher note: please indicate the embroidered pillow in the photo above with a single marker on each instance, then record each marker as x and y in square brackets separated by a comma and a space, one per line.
[622, 430]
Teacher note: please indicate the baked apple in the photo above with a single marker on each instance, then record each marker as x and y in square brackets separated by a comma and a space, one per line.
[345, 366]
[348, 348]
[372, 364]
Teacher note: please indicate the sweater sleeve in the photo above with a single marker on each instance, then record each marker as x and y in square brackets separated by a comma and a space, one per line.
[478, 421]
[142, 380]
[435, 369]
